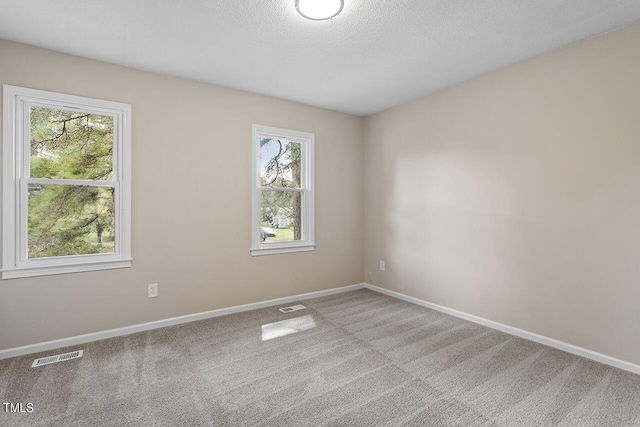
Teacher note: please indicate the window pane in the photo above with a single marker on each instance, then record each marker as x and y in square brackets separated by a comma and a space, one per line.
[70, 220]
[70, 145]
[279, 163]
[281, 216]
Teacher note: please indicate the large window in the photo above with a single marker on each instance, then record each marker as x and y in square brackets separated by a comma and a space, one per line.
[282, 191]
[66, 183]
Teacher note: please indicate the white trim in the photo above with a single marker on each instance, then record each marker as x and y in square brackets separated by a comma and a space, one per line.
[15, 178]
[551, 342]
[282, 249]
[306, 141]
[65, 269]
[81, 339]
[85, 182]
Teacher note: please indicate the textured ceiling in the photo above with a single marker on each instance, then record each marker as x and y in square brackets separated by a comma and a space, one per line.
[376, 54]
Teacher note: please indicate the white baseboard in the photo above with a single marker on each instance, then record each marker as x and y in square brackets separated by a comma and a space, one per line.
[569, 348]
[81, 339]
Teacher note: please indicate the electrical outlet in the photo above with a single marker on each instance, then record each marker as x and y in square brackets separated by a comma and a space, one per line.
[381, 265]
[369, 277]
[152, 290]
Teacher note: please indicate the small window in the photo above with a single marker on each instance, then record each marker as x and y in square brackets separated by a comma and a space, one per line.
[66, 183]
[282, 191]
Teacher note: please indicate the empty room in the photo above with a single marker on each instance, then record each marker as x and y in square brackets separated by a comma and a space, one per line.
[320, 212]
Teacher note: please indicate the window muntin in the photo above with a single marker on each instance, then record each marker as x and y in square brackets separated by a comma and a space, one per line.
[66, 183]
[283, 191]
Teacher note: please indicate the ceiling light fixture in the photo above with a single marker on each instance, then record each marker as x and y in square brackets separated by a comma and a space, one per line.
[319, 10]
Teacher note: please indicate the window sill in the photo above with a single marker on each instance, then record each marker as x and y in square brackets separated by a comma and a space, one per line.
[282, 249]
[16, 273]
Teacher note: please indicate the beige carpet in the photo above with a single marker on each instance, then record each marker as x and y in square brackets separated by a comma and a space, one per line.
[359, 358]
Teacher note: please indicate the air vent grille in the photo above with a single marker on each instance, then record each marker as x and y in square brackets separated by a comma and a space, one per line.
[57, 358]
[292, 308]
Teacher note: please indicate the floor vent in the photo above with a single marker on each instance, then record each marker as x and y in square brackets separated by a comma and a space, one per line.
[292, 308]
[57, 358]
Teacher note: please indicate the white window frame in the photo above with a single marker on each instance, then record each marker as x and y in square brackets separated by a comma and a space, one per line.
[306, 141]
[16, 163]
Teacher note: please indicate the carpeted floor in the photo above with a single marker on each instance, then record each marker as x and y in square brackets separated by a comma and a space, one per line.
[358, 358]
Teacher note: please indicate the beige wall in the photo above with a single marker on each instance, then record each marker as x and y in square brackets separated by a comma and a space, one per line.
[513, 197]
[516, 196]
[191, 203]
